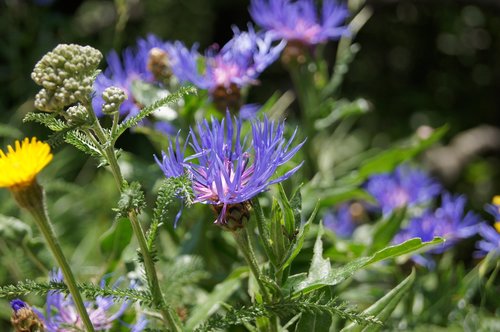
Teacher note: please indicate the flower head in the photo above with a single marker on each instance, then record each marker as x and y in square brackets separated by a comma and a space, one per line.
[61, 314]
[238, 63]
[449, 221]
[228, 172]
[24, 318]
[404, 187]
[299, 21]
[21, 164]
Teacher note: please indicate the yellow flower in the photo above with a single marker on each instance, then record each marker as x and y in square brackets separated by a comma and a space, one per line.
[20, 165]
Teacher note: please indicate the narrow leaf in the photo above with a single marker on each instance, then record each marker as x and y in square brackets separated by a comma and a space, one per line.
[383, 308]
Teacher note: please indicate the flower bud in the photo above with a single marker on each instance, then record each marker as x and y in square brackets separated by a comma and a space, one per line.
[76, 115]
[113, 98]
[24, 319]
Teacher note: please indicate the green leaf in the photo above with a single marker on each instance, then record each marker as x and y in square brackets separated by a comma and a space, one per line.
[389, 159]
[80, 141]
[385, 230]
[322, 274]
[264, 230]
[276, 233]
[383, 308]
[13, 229]
[342, 109]
[131, 199]
[212, 303]
[299, 241]
[289, 220]
[49, 120]
[115, 240]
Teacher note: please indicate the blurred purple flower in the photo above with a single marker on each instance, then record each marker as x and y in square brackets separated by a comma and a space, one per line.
[61, 314]
[228, 172]
[449, 221]
[404, 187]
[239, 62]
[344, 220]
[123, 72]
[490, 235]
[299, 21]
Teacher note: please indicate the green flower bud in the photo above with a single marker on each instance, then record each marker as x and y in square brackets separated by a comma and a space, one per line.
[77, 115]
[66, 76]
[113, 98]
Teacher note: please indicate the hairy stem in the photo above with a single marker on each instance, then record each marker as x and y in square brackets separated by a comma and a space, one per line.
[32, 198]
[169, 316]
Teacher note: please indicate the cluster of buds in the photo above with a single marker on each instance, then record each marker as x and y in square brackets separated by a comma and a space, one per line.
[66, 75]
[113, 98]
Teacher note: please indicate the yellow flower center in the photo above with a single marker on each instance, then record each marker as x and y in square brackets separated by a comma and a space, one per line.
[496, 200]
[20, 165]
[497, 226]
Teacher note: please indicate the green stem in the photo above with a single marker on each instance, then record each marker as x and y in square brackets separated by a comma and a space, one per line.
[245, 244]
[169, 316]
[242, 238]
[32, 198]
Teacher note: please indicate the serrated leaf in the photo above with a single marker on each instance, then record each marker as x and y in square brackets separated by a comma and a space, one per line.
[322, 274]
[383, 308]
[80, 141]
[49, 120]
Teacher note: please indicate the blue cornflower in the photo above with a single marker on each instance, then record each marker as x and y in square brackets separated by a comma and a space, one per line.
[224, 72]
[404, 187]
[61, 314]
[449, 221]
[490, 235]
[299, 21]
[228, 172]
[345, 219]
[24, 318]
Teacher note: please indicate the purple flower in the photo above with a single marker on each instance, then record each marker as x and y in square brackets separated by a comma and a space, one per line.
[228, 171]
[449, 221]
[123, 72]
[490, 235]
[344, 220]
[404, 187]
[17, 304]
[61, 314]
[299, 21]
[239, 62]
